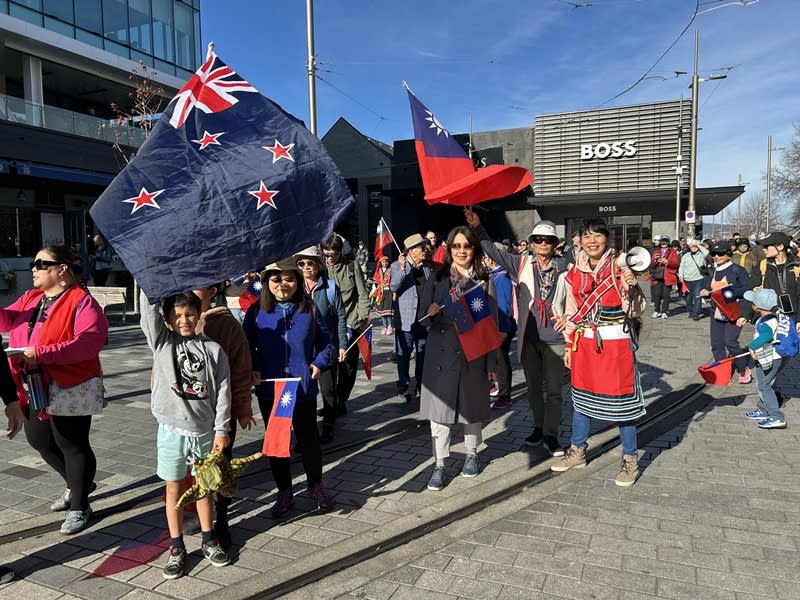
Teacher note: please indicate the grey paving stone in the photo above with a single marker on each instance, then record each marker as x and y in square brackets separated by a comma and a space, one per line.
[433, 562]
[660, 538]
[435, 581]
[405, 592]
[613, 578]
[53, 575]
[406, 575]
[736, 582]
[659, 568]
[376, 590]
[525, 544]
[703, 560]
[512, 575]
[761, 539]
[100, 588]
[464, 587]
[28, 590]
[564, 587]
[679, 590]
[602, 542]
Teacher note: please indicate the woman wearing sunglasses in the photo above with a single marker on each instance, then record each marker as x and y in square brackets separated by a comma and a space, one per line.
[56, 331]
[454, 390]
[601, 300]
[288, 338]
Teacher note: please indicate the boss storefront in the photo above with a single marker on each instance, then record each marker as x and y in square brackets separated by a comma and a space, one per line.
[629, 165]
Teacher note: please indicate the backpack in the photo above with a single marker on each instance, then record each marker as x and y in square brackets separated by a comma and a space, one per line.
[787, 342]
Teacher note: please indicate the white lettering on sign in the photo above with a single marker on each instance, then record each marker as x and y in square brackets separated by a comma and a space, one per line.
[604, 209]
[606, 150]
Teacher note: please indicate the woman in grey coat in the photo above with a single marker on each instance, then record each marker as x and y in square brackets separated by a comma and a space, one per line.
[454, 390]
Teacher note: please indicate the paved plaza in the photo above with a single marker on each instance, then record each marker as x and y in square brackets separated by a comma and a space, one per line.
[714, 515]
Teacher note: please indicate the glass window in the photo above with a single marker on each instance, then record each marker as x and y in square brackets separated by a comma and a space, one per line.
[61, 9]
[26, 14]
[183, 35]
[59, 27]
[88, 15]
[199, 51]
[163, 36]
[115, 20]
[164, 67]
[117, 49]
[139, 19]
[89, 38]
[145, 58]
[4, 6]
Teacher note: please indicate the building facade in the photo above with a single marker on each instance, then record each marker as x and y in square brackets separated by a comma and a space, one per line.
[63, 65]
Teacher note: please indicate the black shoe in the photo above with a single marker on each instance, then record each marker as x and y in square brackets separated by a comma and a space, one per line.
[326, 437]
[223, 533]
[6, 575]
[552, 445]
[535, 438]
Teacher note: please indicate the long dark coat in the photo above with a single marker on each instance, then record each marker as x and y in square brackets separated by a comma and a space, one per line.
[453, 389]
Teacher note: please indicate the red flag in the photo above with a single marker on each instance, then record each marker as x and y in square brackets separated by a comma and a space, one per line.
[474, 322]
[251, 295]
[727, 303]
[448, 174]
[278, 435]
[365, 350]
[383, 237]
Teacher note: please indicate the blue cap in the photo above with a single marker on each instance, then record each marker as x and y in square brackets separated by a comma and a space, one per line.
[764, 299]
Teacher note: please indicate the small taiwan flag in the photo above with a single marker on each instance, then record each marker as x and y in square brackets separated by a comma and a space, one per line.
[365, 350]
[278, 435]
[474, 322]
[383, 237]
[252, 294]
[727, 303]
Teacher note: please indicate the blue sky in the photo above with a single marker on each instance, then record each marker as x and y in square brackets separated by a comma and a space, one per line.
[505, 61]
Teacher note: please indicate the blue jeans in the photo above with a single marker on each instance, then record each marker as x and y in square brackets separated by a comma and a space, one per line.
[404, 343]
[580, 433]
[767, 399]
[693, 303]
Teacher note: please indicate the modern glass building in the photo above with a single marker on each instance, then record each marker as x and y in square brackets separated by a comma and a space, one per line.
[164, 34]
[63, 64]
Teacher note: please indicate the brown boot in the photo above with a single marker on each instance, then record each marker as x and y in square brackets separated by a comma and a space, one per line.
[628, 471]
[574, 458]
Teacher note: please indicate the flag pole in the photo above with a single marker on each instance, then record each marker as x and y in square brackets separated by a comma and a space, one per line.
[396, 245]
[355, 341]
[279, 379]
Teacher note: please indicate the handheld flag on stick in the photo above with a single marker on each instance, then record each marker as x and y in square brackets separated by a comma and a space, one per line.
[474, 323]
[719, 372]
[226, 180]
[383, 237]
[278, 435]
[364, 342]
[727, 303]
[448, 174]
[252, 294]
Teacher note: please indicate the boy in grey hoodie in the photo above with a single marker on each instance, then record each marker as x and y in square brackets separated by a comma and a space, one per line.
[191, 400]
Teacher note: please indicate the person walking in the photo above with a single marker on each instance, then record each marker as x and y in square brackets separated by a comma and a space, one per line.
[409, 273]
[454, 389]
[602, 298]
[540, 345]
[664, 265]
[692, 272]
[59, 330]
[101, 260]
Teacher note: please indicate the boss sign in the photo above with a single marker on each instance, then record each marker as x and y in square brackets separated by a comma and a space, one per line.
[606, 150]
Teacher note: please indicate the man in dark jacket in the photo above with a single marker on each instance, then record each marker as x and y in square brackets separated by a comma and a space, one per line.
[778, 271]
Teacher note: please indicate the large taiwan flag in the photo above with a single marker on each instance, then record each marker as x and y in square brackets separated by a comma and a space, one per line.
[726, 302]
[448, 174]
[278, 435]
[227, 180]
[476, 327]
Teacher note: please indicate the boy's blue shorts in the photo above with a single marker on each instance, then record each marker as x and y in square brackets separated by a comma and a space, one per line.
[174, 451]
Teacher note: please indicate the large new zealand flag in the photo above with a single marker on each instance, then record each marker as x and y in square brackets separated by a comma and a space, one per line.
[226, 182]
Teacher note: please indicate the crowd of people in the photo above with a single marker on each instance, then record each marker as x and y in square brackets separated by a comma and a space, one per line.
[571, 308]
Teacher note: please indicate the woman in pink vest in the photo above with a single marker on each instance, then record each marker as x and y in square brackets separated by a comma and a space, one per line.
[56, 332]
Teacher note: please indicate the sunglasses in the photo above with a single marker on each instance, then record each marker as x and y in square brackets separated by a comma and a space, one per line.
[461, 246]
[306, 263]
[542, 239]
[41, 265]
[717, 253]
[276, 279]
[331, 254]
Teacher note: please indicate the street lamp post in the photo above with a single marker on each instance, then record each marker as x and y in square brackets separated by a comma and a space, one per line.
[769, 177]
[311, 68]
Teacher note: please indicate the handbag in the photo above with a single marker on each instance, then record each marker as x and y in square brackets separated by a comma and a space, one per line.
[86, 398]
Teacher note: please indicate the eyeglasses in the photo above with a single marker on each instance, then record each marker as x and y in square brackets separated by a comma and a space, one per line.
[277, 279]
[41, 265]
[333, 254]
[461, 246]
[306, 263]
[542, 239]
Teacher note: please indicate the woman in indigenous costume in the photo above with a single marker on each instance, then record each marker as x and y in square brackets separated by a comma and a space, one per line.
[56, 331]
[384, 303]
[601, 301]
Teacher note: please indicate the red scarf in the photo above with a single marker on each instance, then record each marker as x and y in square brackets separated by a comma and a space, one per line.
[59, 326]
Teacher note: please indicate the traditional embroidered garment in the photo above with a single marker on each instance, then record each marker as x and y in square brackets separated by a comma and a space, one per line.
[605, 380]
[383, 291]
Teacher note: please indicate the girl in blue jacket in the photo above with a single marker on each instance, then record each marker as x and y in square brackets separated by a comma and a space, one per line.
[288, 338]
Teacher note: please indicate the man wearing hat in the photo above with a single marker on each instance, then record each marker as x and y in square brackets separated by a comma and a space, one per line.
[734, 281]
[779, 271]
[692, 272]
[664, 265]
[742, 255]
[409, 273]
[540, 342]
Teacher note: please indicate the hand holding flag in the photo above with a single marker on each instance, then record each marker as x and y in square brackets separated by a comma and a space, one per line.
[474, 322]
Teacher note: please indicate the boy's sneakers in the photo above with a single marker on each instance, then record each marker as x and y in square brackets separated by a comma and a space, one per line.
[745, 377]
[756, 415]
[176, 563]
[215, 554]
[76, 521]
[772, 423]
[655, 315]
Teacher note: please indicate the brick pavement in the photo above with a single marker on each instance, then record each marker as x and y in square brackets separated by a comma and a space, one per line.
[378, 486]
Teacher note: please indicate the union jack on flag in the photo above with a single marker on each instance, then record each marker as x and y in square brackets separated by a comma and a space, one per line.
[209, 90]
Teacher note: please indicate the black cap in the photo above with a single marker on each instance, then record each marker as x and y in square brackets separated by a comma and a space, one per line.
[774, 239]
[722, 246]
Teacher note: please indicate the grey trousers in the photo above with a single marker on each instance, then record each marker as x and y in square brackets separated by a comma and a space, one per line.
[441, 439]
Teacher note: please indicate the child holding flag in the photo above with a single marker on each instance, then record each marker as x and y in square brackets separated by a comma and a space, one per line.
[288, 339]
[768, 361]
[191, 400]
